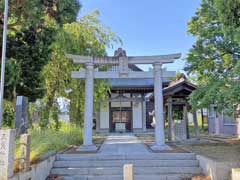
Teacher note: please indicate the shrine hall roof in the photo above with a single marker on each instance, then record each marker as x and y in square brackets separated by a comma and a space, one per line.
[133, 82]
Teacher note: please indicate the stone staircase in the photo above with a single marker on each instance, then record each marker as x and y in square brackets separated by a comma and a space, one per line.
[154, 166]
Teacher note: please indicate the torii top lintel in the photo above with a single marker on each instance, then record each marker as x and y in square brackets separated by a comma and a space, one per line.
[120, 55]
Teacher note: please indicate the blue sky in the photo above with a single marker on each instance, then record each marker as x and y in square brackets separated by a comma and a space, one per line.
[148, 27]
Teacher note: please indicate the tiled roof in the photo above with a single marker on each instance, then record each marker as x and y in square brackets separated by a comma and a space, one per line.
[133, 82]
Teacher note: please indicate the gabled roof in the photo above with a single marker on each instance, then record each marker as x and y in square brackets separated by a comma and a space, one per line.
[134, 67]
[180, 87]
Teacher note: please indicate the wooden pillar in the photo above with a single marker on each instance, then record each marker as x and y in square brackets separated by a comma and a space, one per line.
[170, 120]
[185, 119]
[98, 117]
[144, 126]
[164, 115]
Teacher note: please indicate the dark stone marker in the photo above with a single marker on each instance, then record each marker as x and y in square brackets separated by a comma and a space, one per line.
[21, 115]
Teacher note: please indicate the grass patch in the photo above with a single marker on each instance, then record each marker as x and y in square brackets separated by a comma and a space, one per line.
[43, 141]
[221, 152]
[191, 129]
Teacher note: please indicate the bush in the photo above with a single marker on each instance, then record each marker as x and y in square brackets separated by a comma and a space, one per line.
[8, 114]
[54, 116]
[43, 121]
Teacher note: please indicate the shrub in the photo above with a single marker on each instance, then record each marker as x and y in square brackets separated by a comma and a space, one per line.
[54, 116]
[8, 114]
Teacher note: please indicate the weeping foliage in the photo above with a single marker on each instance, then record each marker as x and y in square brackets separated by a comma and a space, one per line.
[87, 37]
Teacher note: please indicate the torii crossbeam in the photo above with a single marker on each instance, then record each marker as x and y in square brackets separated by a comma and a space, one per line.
[123, 61]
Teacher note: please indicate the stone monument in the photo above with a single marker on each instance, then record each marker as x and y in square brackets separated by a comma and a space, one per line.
[21, 115]
[7, 141]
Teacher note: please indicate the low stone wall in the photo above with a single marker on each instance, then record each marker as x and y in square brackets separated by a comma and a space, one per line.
[217, 170]
[217, 126]
[38, 171]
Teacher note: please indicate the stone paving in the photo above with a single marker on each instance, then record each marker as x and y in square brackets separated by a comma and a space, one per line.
[119, 150]
[121, 144]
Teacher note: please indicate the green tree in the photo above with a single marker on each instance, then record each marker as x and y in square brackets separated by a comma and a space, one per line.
[25, 13]
[32, 28]
[229, 15]
[22, 13]
[13, 71]
[87, 37]
[214, 58]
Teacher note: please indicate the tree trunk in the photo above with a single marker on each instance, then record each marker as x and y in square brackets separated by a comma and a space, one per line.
[202, 118]
[14, 94]
[71, 110]
[195, 121]
[49, 103]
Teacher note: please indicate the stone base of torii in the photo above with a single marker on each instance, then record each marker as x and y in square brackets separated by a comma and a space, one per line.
[122, 61]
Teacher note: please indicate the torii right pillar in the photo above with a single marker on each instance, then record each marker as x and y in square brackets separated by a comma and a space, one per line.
[159, 114]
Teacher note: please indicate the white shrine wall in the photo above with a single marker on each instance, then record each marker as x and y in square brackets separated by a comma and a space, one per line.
[104, 116]
[137, 116]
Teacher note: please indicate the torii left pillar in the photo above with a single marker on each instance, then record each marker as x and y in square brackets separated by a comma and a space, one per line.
[88, 112]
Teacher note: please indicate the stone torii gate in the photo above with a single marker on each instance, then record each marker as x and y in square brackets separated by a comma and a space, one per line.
[120, 59]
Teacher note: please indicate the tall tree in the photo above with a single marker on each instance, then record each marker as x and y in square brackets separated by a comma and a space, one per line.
[87, 37]
[32, 29]
[214, 58]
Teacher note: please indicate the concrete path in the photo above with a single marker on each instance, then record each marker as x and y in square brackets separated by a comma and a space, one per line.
[123, 144]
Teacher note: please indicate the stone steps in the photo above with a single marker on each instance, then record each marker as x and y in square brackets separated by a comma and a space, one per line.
[157, 156]
[119, 170]
[154, 166]
[137, 177]
[120, 163]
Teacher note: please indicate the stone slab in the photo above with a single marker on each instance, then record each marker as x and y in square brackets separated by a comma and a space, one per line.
[7, 141]
[138, 177]
[160, 147]
[120, 163]
[119, 170]
[123, 144]
[88, 149]
[146, 156]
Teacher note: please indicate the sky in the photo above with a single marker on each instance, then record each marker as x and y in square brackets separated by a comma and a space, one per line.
[148, 27]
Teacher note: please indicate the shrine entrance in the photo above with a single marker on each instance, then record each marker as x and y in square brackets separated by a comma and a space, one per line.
[122, 62]
[121, 120]
[121, 113]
